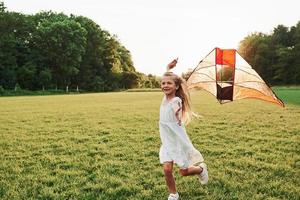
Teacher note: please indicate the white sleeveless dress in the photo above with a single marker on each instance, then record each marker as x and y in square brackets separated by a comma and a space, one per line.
[176, 146]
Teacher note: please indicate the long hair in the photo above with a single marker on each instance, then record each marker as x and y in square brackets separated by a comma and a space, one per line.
[183, 93]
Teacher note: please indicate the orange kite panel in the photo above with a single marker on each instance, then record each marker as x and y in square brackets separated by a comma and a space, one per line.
[243, 93]
[225, 57]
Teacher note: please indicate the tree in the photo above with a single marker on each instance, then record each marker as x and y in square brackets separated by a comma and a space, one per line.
[2, 7]
[295, 51]
[274, 56]
[55, 50]
[281, 36]
[255, 49]
[60, 42]
[129, 80]
[92, 68]
[125, 59]
[15, 30]
[26, 76]
[44, 78]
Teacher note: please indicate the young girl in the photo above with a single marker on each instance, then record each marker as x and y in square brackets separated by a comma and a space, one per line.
[175, 111]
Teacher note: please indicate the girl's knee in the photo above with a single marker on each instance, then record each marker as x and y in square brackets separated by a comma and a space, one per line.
[183, 172]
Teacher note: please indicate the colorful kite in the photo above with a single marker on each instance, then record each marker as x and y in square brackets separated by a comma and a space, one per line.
[226, 75]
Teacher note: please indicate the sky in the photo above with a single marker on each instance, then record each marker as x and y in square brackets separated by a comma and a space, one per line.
[157, 31]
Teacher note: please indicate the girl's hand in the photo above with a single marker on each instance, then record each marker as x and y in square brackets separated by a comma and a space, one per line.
[179, 122]
[172, 64]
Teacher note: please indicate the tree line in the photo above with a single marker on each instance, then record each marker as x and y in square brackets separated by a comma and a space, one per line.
[51, 50]
[274, 56]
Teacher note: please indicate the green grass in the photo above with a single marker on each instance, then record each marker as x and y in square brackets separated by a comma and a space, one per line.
[289, 95]
[105, 146]
[144, 90]
[34, 93]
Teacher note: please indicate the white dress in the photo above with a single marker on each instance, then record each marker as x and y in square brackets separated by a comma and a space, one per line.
[176, 145]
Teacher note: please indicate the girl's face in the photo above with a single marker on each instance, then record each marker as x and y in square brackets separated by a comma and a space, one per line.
[168, 85]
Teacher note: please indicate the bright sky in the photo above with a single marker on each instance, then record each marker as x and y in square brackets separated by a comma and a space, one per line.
[156, 31]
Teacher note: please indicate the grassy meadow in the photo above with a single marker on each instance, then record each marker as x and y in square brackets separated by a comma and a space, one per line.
[105, 146]
[290, 95]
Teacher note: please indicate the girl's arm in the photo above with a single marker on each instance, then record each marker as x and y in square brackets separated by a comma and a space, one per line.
[177, 108]
[178, 117]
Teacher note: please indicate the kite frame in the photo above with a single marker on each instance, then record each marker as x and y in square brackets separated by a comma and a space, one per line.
[233, 82]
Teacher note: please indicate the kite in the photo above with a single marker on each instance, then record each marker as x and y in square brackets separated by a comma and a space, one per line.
[226, 75]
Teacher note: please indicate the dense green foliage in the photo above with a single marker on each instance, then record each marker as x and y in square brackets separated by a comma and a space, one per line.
[274, 56]
[52, 50]
[105, 146]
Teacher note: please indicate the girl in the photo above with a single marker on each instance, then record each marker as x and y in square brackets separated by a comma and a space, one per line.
[175, 111]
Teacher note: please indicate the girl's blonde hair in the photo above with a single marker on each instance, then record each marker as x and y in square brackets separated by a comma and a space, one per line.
[183, 93]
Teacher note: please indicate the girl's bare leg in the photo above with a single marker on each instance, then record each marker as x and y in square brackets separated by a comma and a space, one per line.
[168, 171]
[190, 171]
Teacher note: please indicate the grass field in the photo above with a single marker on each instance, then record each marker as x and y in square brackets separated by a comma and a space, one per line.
[290, 95]
[105, 146]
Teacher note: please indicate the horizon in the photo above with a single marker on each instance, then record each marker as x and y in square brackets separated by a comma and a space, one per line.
[155, 32]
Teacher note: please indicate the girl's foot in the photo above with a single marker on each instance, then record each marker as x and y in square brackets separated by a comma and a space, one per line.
[203, 176]
[173, 196]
